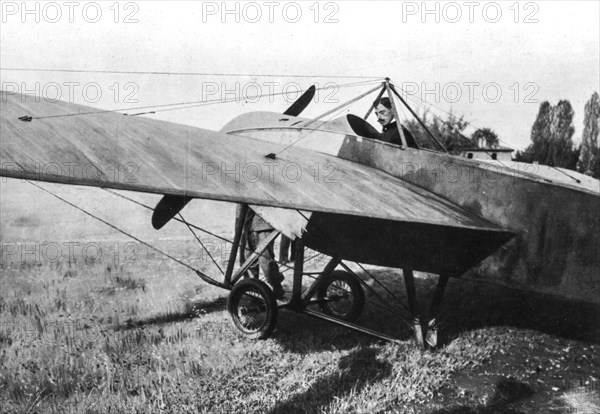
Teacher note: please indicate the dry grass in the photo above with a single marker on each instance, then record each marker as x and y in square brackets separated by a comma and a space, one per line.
[147, 336]
[99, 338]
[92, 337]
[582, 400]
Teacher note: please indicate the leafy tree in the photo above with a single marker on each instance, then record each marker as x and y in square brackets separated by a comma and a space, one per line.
[562, 130]
[551, 137]
[524, 156]
[451, 132]
[421, 136]
[540, 134]
[448, 132]
[589, 160]
[485, 135]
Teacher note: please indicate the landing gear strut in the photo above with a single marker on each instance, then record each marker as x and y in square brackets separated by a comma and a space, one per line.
[425, 336]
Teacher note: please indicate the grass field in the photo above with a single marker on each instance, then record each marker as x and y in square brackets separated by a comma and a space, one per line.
[91, 322]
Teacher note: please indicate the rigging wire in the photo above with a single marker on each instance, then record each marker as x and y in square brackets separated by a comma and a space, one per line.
[174, 218]
[461, 136]
[201, 244]
[134, 72]
[113, 226]
[193, 226]
[181, 262]
[326, 119]
[421, 104]
[513, 146]
[308, 133]
[186, 105]
[246, 99]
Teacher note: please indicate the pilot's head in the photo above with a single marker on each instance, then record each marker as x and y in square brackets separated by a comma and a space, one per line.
[383, 110]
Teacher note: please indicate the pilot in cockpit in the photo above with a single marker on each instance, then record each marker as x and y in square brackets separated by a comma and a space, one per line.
[385, 116]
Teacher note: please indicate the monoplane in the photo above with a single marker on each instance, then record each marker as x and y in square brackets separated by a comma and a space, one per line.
[332, 186]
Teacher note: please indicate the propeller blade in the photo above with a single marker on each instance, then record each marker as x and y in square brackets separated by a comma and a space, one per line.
[166, 209]
[362, 128]
[301, 103]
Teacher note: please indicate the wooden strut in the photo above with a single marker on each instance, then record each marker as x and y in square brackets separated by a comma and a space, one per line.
[239, 227]
[418, 119]
[424, 335]
[337, 108]
[258, 252]
[299, 303]
[312, 289]
[296, 300]
[431, 335]
[396, 114]
[383, 88]
[409, 282]
[351, 325]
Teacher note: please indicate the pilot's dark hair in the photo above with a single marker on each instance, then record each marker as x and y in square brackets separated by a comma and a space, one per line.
[385, 101]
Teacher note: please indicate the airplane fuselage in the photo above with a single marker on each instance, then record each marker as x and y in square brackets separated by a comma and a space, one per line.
[557, 247]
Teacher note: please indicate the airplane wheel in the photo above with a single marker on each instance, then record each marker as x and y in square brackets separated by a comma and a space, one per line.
[253, 308]
[342, 296]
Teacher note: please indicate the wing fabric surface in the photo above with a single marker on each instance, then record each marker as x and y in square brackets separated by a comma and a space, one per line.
[133, 153]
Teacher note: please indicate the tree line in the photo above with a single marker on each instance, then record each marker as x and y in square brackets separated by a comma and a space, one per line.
[551, 136]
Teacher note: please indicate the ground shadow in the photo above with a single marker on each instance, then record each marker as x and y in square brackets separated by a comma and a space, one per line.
[357, 370]
[467, 305]
[508, 391]
[303, 334]
[193, 310]
[471, 305]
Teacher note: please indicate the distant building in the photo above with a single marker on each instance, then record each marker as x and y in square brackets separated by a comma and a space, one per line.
[497, 153]
[482, 152]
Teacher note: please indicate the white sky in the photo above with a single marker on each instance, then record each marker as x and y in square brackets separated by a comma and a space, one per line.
[555, 56]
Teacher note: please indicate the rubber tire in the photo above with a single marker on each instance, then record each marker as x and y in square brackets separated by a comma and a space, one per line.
[253, 289]
[357, 303]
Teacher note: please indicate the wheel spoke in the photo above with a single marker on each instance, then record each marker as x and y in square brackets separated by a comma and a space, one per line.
[341, 296]
[252, 308]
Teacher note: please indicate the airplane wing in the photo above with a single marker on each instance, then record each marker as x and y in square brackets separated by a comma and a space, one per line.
[78, 145]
